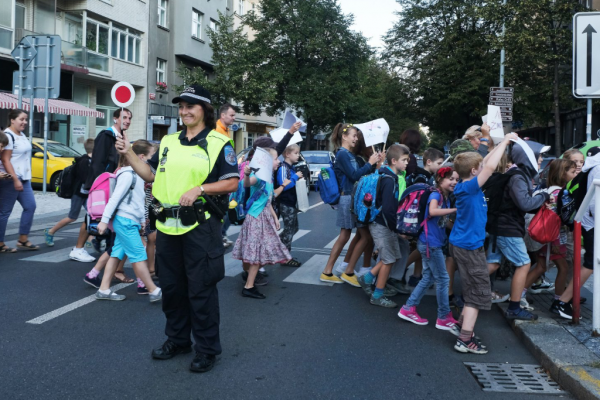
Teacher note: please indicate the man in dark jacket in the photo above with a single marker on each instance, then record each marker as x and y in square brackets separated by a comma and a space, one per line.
[517, 201]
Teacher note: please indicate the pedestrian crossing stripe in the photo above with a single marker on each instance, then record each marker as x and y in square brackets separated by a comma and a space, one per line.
[330, 244]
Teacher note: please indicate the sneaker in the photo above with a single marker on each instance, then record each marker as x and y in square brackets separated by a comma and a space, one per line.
[565, 310]
[472, 346]
[111, 296]
[398, 285]
[445, 323]
[330, 279]
[351, 280]
[263, 271]
[80, 255]
[457, 302]
[226, 242]
[554, 307]
[368, 289]
[413, 281]
[499, 298]
[411, 315]
[383, 302]
[389, 291]
[525, 304]
[253, 293]
[95, 282]
[340, 269]
[260, 280]
[155, 297]
[362, 271]
[521, 314]
[455, 329]
[142, 290]
[543, 287]
[49, 238]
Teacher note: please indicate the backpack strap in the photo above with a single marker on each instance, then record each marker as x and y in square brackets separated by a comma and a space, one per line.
[255, 196]
[11, 135]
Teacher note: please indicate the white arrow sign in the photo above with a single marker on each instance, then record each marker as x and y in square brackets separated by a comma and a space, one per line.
[586, 55]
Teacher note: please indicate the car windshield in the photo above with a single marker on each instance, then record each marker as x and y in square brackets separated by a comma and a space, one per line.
[317, 158]
[60, 150]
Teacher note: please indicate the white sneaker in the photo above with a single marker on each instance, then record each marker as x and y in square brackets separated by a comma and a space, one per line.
[525, 304]
[362, 271]
[80, 255]
[226, 242]
[340, 269]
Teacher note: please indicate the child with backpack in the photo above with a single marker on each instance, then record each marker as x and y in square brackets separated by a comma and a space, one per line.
[258, 243]
[78, 200]
[513, 200]
[431, 241]
[467, 238]
[432, 161]
[561, 172]
[125, 209]
[347, 173]
[287, 199]
[383, 230]
[585, 180]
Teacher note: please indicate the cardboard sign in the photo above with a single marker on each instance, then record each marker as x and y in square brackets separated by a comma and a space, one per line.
[374, 132]
[262, 165]
[302, 195]
[278, 134]
[494, 120]
[290, 119]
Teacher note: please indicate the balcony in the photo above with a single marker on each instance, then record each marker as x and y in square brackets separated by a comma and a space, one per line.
[74, 54]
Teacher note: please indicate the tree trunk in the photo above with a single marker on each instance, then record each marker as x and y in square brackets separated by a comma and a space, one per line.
[309, 128]
[556, 110]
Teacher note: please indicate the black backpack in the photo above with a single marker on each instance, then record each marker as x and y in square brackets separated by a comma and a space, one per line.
[493, 191]
[66, 182]
[570, 198]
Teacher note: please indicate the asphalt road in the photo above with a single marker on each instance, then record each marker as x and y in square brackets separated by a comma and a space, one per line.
[305, 341]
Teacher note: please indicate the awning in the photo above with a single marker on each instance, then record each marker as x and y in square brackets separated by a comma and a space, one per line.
[10, 101]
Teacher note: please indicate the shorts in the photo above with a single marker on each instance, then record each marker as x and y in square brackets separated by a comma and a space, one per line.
[475, 279]
[128, 241]
[588, 244]
[344, 216]
[386, 242]
[512, 248]
[76, 203]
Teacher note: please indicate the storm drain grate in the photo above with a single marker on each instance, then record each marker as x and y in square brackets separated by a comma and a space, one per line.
[513, 378]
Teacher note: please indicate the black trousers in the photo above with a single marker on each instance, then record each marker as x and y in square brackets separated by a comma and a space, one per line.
[190, 267]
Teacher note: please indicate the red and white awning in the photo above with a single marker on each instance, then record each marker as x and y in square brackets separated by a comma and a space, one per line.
[10, 101]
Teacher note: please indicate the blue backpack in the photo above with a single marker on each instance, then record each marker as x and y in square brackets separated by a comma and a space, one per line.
[364, 196]
[328, 187]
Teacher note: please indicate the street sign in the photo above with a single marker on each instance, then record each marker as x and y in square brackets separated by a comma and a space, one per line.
[46, 70]
[122, 94]
[495, 91]
[157, 117]
[586, 55]
[29, 52]
[503, 99]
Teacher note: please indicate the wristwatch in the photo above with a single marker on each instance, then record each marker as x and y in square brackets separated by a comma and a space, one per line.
[201, 191]
[484, 140]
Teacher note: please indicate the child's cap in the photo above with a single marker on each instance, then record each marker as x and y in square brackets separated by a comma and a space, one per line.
[460, 146]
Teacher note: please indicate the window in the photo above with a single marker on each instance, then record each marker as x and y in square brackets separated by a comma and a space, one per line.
[241, 7]
[96, 37]
[162, 13]
[126, 45]
[213, 25]
[6, 32]
[161, 67]
[197, 24]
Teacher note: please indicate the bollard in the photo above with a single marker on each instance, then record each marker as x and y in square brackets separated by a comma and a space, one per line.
[576, 272]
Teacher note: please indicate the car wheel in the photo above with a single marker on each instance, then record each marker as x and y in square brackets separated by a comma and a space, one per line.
[54, 181]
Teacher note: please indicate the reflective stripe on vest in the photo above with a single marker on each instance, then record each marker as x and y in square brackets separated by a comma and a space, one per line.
[183, 168]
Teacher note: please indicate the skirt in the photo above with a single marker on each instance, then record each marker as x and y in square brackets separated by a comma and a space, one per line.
[344, 216]
[258, 241]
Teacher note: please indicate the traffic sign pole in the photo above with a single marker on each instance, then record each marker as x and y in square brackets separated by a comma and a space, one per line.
[588, 127]
[20, 76]
[31, 97]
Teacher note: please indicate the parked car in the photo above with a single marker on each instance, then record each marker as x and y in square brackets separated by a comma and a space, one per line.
[300, 166]
[318, 160]
[60, 157]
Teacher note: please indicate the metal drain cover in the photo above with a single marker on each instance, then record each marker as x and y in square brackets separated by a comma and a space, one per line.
[513, 378]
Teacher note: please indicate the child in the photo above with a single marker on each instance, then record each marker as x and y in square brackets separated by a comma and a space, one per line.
[383, 230]
[562, 306]
[287, 199]
[575, 156]
[3, 143]
[466, 241]
[517, 200]
[127, 207]
[78, 200]
[561, 172]
[430, 244]
[432, 161]
[258, 243]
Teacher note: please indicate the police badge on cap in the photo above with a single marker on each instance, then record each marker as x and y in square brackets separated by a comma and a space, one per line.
[194, 94]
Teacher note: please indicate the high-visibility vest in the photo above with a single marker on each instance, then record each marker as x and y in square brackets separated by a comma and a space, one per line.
[180, 169]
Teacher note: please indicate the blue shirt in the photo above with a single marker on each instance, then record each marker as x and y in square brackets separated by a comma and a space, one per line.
[471, 216]
[436, 226]
[261, 202]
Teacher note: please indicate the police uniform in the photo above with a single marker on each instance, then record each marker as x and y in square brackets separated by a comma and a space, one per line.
[190, 258]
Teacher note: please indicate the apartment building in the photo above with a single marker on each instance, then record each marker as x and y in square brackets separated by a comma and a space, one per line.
[103, 42]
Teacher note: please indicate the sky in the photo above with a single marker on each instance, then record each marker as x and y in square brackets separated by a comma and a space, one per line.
[372, 17]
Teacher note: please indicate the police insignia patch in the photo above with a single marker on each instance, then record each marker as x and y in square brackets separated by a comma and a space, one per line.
[230, 155]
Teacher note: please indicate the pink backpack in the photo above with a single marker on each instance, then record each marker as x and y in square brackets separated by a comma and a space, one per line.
[98, 197]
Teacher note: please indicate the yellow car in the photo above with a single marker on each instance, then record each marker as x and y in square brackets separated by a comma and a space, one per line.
[59, 158]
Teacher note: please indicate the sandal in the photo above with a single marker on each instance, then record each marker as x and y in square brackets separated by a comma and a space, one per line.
[293, 263]
[5, 249]
[125, 278]
[27, 245]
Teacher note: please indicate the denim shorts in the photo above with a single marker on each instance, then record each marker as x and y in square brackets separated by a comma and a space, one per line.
[512, 248]
[128, 240]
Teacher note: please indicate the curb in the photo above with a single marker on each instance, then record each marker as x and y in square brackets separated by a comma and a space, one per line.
[572, 365]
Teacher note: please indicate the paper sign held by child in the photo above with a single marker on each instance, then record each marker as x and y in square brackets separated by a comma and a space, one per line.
[262, 165]
[494, 120]
[374, 132]
[290, 119]
[278, 134]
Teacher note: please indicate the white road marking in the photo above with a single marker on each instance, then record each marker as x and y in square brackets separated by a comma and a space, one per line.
[314, 205]
[330, 244]
[41, 227]
[310, 271]
[73, 306]
[56, 256]
[37, 240]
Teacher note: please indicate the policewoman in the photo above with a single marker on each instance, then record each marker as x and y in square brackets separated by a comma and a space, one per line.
[194, 169]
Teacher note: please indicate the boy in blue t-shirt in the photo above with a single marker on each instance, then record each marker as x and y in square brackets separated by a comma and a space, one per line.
[466, 241]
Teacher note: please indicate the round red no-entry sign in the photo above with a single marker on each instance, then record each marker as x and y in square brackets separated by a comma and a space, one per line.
[122, 94]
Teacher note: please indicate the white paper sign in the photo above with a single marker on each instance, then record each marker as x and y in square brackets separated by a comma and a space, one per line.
[374, 132]
[278, 134]
[528, 151]
[494, 120]
[484, 119]
[290, 119]
[262, 165]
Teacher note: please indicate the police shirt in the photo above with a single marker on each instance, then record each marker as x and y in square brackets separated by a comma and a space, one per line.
[225, 166]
